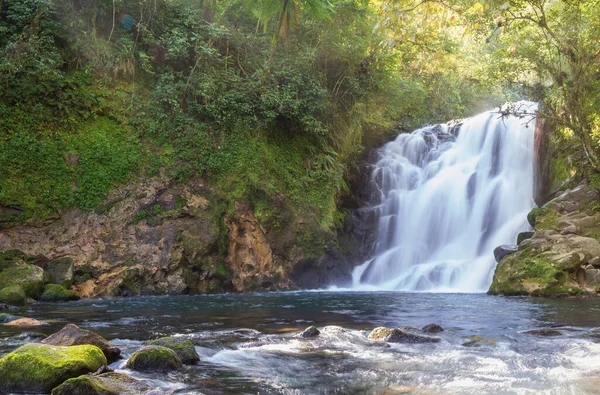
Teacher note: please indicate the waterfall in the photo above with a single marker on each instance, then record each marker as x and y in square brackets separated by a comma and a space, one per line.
[445, 196]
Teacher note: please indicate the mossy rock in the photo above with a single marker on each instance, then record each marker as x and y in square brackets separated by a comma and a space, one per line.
[154, 359]
[13, 295]
[31, 278]
[12, 258]
[57, 293]
[103, 384]
[5, 317]
[60, 272]
[183, 348]
[35, 368]
[72, 335]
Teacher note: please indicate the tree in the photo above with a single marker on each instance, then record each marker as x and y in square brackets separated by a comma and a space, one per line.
[288, 12]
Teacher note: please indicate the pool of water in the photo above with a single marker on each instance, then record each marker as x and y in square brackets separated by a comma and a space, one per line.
[248, 343]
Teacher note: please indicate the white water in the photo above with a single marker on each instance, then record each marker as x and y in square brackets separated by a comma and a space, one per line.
[444, 202]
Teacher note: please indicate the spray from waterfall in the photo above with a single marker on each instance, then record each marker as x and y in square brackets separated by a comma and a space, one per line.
[445, 197]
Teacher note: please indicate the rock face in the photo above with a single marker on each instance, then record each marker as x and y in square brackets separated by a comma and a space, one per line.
[35, 368]
[103, 384]
[563, 256]
[72, 335]
[183, 348]
[154, 359]
[60, 272]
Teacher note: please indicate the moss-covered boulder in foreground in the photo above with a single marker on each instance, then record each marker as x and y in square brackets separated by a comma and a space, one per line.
[154, 359]
[103, 384]
[29, 277]
[183, 348]
[57, 293]
[13, 295]
[72, 335]
[35, 368]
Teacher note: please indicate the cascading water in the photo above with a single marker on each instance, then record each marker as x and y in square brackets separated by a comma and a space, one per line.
[445, 198]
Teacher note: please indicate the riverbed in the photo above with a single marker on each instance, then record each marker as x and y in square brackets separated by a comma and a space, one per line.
[248, 344]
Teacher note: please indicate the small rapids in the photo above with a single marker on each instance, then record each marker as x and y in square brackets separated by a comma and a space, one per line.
[248, 344]
[445, 197]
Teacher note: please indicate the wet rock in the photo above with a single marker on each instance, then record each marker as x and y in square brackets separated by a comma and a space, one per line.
[398, 336]
[57, 293]
[7, 307]
[35, 368]
[154, 359]
[311, 331]
[478, 341]
[29, 277]
[72, 335]
[25, 322]
[5, 317]
[432, 328]
[545, 332]
[524, 236]
[104, 384]
[60, 272]
[183, 348]
[334, 330]
[14, 295]
[503, 250]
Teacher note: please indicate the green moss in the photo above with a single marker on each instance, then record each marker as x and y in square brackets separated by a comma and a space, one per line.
[546, 219]
[36, 368]
[82, 274]
[13, 295]
[57, 293]
[154, 358]
[12, 258]
[29, 277]
[104, 384]
[183, 348]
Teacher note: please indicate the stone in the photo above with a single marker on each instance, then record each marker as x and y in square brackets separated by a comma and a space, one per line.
[334, 329]
[545, 332]
[25, 322]
[154, 359]
[311, 331]
[398, 336]
[60, 272]
[57, 293]
[5, 317]
[7, 307]
[12, 258]
[432, 328]
[29, 277]
[184, 348]
[13, 295]
[592, 277]
[503, 250]
[72, 335]
[35, 368]
[102, 384]
[521, 237]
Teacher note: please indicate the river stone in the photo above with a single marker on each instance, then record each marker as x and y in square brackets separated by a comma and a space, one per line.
[57, 293]
[432, 328]
[35, 368]
[25, 322]
[311, 331]
[546, 332]
[14, 295]
[30, 277]
[7, 307]
[72, 335]
[521, 237]
[398, 336]
[60, 272]
[102, 384]
[334, 329]
[184, 348]
[154, 359]
[503, 250]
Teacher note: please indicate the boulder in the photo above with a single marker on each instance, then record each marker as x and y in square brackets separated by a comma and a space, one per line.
[503, 250]
[432, 328]
[12, 258]
[184, 349]
[29, 277]
[35, 368]
[60, 272]
[13, 295]
[592, 277]
[398, 336]
[521, 237]
[311, 331]
[154, 359]
[72, 335]
[546, 332]
[25, 322]
[102, 384]
[57, 293]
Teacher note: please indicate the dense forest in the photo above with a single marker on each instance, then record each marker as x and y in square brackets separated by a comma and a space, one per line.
[267, 100]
